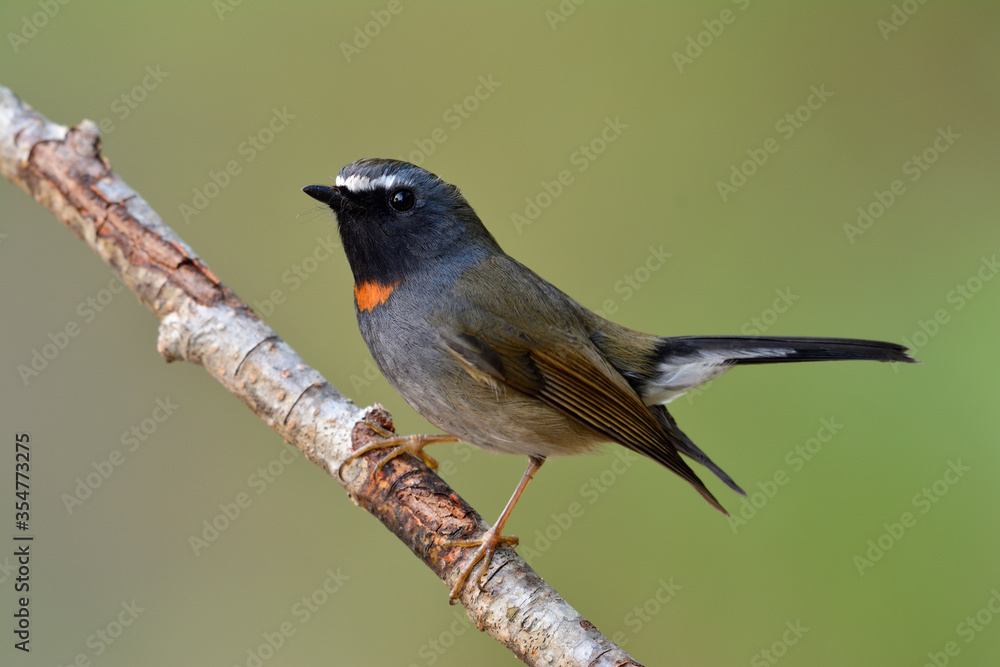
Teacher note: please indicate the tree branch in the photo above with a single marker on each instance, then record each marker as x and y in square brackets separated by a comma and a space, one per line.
[204, 322]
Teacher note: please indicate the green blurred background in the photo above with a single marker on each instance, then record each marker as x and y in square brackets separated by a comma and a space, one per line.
[183, 88]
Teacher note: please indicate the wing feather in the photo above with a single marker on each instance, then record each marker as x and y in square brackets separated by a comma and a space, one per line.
[580, 383]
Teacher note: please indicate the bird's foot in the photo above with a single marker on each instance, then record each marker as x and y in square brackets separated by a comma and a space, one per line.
[400, 444]
[487, 546]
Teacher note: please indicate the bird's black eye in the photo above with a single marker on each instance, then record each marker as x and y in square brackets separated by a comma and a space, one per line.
[402, 200]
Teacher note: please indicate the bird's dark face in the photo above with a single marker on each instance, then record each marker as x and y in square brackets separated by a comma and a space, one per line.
[396, 218]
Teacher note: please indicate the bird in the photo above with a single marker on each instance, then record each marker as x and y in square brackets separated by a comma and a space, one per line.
[495, 356]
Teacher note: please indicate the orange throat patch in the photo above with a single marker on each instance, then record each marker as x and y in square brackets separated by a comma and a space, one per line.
[370, 294]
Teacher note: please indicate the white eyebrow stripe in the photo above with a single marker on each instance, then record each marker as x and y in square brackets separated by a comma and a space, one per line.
[356, 183]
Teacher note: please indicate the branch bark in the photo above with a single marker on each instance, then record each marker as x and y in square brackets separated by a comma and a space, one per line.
[204, 322]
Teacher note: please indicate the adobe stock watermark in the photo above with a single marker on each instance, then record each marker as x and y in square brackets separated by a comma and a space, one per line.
[7, 569]
[365, 34]
[634, 280]
[131, 440]
[302, 611]
[364, 379]
[104, 637]
[298, 273]
[123, 105]
[580, 159]
[223, 7]
[434, 648]
[956, 299]
[642, 614]
[87, 310]
[898, 17]
[779, 648]
[915, 168]
[562, 12]
[695, 45]
[691, 394]
[247, 151]
[967, 630]
[757, 325]
[258, 482]
[786, 126]
[454, 116]
[590, 492]
[796, 459]
[32, 24]
[923, 501]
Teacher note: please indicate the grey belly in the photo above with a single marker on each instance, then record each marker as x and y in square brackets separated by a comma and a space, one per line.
[492, 417]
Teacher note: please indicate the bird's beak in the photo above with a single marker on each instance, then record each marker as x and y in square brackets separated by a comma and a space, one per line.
[332, 197]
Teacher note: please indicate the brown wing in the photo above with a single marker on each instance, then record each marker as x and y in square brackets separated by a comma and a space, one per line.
[578, 381]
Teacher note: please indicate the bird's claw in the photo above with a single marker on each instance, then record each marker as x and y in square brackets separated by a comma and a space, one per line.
[401, 444]
[487, 547]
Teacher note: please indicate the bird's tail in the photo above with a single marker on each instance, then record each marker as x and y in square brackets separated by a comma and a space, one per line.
[685, 362]
[768, 349]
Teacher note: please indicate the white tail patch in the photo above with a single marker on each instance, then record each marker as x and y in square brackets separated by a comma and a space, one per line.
[680, 374]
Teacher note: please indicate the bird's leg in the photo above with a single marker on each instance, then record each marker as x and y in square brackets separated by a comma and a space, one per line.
[401, 444]
[493, 537]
